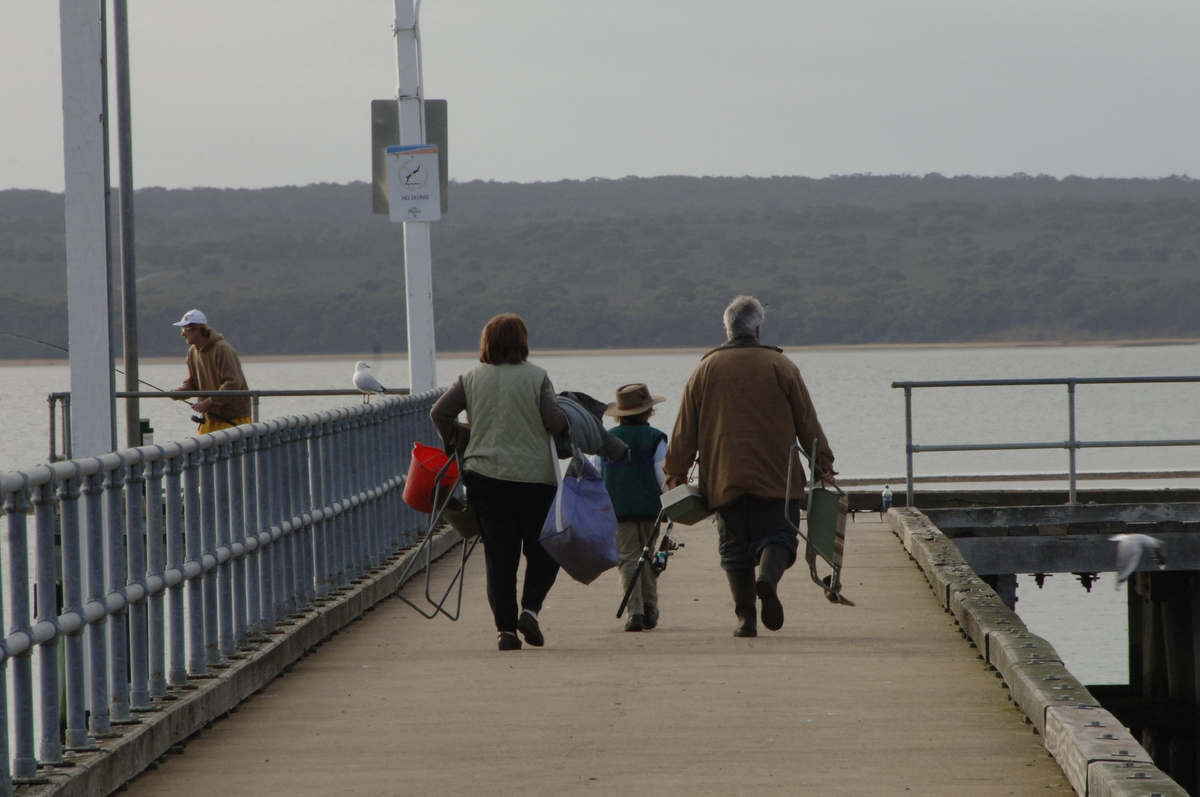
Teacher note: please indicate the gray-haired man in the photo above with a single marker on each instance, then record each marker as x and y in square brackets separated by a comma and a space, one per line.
[743, 408]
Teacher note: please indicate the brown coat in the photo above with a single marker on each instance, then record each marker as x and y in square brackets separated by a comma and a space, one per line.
[217, 367]
[742, 410]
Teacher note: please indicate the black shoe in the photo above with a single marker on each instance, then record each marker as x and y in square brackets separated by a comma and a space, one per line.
[508, 641]
[527, 624]
[650, 619]
[636, 622]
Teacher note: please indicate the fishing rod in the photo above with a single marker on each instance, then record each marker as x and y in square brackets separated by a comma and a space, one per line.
[118, 370]
[658, 561]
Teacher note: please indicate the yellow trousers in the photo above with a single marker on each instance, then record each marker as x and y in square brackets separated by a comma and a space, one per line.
[212, 424]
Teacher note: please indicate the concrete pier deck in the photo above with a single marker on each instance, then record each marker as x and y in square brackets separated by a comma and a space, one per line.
[885, 698]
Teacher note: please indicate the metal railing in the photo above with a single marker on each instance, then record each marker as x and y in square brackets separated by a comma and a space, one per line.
[60, 406]
[1071, 444]
[174, 557]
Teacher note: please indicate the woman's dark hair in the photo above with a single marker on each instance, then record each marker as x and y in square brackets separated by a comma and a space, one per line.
[505, 340]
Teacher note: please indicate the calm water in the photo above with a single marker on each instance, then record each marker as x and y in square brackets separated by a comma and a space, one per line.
[862, 415]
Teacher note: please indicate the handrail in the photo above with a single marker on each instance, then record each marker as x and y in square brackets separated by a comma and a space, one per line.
[64, 398]
[1071, 444]
[236, 531]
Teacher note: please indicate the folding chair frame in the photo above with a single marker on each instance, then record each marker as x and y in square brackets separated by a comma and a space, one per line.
[831, 584]
[440, 503]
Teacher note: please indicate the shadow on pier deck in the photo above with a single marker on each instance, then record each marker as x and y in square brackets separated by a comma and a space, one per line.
[886, 698]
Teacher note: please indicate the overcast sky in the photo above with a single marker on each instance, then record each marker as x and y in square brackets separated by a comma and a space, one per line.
[250, 93]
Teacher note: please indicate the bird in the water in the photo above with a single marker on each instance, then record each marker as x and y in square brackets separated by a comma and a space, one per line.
[1129, 553]
[365, 382]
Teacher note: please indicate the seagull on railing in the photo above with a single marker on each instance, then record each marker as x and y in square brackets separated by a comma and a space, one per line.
[365, 382]
[1129, 553]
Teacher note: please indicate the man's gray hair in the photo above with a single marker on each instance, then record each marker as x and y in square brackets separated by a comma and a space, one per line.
[743, 315]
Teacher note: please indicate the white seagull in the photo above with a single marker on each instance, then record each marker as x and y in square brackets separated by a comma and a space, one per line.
[365, 382]
[1129, 553]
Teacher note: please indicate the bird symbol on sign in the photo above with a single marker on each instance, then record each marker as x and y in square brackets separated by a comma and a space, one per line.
[365, 382]
[1129, 553]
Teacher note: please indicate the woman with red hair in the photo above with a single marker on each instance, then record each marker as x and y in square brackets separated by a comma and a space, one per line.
[507, 469]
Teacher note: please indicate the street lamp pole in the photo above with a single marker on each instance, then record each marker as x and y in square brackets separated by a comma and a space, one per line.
[418, 274]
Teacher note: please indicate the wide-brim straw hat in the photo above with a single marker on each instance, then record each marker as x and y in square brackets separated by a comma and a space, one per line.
[632, 400]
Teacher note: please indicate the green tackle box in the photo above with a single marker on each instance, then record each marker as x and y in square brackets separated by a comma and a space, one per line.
[685, 505]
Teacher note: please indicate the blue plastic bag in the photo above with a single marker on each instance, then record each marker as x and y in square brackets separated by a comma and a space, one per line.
[580, 531]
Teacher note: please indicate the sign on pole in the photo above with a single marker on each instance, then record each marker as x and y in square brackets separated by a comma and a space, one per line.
[413, 184]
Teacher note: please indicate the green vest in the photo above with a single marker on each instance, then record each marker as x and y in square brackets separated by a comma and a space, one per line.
[508, 439]
[632, 485]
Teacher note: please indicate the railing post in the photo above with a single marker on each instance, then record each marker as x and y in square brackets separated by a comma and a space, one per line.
[379, 553]
[237, 535]
[266, 519]
[342, 496]
[1073, 498]
[197, 661]
[6, 782]
[362, 562]
[254, 627]
[908, 442]
[118, 652]
[293, 594]
[93, 501]
[135, 533]
[302, 487]
[50, 748]
[309, 466]
[208, 537]
[223, 539]
[316, 456]
[52, 400]
[72, 577]
[16, 505]
[155, 565]
[173, 469]
[279, 550]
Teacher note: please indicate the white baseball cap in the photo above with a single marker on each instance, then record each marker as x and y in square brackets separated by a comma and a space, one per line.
[191, 317]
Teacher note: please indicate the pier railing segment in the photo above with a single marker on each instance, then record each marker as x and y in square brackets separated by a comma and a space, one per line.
[150, 567]
[60, 406]
[1071, 444]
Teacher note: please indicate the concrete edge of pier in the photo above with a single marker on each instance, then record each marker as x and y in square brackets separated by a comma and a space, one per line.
[1099, 756]
[140, 745]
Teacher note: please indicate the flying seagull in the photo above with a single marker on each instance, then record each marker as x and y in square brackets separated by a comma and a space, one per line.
[365, 382]
[1129, 553]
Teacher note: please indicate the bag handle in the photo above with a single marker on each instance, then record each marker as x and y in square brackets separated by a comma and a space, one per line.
[558, 519]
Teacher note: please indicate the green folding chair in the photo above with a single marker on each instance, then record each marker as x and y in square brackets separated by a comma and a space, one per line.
[825, 520]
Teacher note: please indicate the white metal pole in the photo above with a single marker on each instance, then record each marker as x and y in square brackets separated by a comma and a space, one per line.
[418, 275]
[92, 402]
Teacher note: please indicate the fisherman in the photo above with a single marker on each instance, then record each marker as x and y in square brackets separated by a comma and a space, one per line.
[743, 408]
[213, 365]
[634, 485]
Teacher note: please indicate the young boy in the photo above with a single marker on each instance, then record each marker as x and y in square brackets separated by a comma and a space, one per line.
[634, 487]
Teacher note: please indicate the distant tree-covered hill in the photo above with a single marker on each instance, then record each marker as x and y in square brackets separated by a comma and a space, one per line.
[645, 262]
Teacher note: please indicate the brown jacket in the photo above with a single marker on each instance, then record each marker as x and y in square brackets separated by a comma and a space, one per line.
[742, 409]
[217, 367]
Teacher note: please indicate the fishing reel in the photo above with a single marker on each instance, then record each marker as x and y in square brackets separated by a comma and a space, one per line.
[660, 560]
[197, 419]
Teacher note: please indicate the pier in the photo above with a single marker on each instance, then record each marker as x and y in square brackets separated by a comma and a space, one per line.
[883, 698]
[227, 622]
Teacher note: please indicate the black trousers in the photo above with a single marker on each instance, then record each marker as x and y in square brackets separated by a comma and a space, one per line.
[749, 523]
[511, 515]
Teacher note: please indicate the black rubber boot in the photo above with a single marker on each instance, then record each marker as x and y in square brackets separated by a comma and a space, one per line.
[773, 562]
[741, 584]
